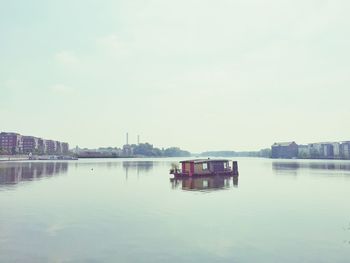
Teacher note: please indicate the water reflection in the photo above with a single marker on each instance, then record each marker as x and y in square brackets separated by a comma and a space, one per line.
[209, 183]
[138, 166]
[143, 166]
[13, 173]
[293, 167]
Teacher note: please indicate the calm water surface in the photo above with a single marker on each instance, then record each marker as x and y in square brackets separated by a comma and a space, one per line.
[119, 210]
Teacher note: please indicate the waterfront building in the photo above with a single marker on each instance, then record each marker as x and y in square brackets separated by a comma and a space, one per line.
[322, 150]
[11, 142]
[110, 151]
[345, 150]
[315, 150]
[41, 146]
[50, 146]
[303, 151]
[58, 149]
[284, 150]
[327, 150]
[14, 143]
[336, 150]
[30, 144]
[65, 148]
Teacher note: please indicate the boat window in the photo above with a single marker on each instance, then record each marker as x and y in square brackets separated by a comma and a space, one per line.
[205, 166]
[225, 165]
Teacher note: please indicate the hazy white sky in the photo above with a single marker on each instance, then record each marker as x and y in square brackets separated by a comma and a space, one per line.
[202, 75]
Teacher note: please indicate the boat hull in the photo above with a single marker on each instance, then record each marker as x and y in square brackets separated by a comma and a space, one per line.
[227, 173]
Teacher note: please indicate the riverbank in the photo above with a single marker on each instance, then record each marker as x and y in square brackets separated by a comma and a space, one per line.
[6, 158]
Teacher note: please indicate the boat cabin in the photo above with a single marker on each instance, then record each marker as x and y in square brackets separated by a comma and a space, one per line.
[206, 167]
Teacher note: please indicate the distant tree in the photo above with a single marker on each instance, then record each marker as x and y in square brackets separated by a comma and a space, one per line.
[262, 153]
[219, 153]
[175, 152]
[157, 152]
[146, 149]
[37, 152]
[265, 153]
[2, 151]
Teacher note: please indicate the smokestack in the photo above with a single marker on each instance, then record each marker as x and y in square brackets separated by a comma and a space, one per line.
[138, 139]
[127, 138]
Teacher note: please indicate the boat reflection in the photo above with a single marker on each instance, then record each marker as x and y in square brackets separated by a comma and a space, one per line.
[13, 173]
[208, 183]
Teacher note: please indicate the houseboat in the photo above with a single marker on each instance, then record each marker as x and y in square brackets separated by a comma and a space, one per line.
[205, 167]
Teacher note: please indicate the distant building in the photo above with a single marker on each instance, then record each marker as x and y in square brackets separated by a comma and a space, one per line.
[65, 148]
[11, 142]
[286, 150]
[58, 148]
[128, 150]
[327, 150]
[50, 146]
[110, 151]
[315, 150]
[14, 143]
[345, 150]
[322, 150]
[41, 146]
[303, 151]
[30, 144]
[336, 150]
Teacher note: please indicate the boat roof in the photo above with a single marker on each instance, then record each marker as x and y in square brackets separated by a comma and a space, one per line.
[204, 160]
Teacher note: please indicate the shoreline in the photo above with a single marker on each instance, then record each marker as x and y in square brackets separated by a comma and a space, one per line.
[9, 158]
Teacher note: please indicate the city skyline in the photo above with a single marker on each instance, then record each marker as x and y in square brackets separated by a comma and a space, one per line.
[14, 143]
[234, 75]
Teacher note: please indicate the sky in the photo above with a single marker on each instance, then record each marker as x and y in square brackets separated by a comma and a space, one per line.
[198, 74]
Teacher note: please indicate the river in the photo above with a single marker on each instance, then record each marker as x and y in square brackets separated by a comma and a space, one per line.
[130, 210]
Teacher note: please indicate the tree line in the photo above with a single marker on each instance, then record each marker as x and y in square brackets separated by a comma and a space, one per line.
[262, 153]
[147, 149]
